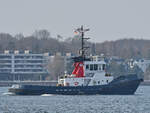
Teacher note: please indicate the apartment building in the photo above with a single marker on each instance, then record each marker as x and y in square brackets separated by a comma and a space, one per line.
[23, 65]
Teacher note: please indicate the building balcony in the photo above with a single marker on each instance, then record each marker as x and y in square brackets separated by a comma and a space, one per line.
[5, 68]
[29, 59]
[30, 68]
[5, 72]
[6, 59]
[38, 72]
[28, 63]
[5, 63]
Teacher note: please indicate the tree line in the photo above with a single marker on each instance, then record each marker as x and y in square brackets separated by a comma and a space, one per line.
[41, 41]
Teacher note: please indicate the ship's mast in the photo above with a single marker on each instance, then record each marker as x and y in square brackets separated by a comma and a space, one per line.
[81, 31]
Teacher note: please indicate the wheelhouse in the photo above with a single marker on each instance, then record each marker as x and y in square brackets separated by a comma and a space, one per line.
[92, 66]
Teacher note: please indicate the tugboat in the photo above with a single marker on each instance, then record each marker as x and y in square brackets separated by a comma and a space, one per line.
[88, 78]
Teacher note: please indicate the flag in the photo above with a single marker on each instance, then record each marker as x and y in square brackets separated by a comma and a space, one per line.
[75, 32]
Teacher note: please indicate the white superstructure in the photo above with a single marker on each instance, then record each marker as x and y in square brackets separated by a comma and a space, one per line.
[94, 74]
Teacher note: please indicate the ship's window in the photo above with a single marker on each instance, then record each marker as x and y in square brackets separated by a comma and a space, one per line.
[107, 81]
[78, 89]
[95, 66]
[98, 82]
[65, 89]
[87, 66]
[103, 66]
[99, 67]
[70, 90]
[91, 67]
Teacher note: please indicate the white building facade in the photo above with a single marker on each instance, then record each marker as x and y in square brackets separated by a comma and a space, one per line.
[141, 63]
[23, 66]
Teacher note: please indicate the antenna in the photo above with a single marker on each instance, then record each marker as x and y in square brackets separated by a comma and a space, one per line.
[82, 31]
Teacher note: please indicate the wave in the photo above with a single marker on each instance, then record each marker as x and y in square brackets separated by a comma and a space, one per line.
[47, 95]
[8, 93]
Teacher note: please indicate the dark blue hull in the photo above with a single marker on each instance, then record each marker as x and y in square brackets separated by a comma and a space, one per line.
[124, 85]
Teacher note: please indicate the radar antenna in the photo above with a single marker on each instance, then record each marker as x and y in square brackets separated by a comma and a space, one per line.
[81, 32]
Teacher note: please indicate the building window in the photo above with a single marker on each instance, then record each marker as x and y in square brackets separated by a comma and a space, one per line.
[5, 57]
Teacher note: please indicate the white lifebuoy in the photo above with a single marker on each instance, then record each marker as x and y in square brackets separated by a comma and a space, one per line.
[80, 65]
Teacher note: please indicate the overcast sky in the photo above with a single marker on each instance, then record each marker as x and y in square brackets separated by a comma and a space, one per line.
[107, 19]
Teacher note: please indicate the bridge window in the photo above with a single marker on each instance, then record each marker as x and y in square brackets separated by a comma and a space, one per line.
[99, 66]
[107, 81]
[87, 66]
[95, 66]
[103, 66]
[91, 67]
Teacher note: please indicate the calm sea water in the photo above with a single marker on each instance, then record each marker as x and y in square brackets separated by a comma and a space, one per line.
[138, 103]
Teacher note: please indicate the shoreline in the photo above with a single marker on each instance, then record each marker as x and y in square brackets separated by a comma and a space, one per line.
[52, 83]
[145, 83]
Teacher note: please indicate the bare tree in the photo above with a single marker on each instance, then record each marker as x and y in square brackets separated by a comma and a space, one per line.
[56, 67]
[41, 34]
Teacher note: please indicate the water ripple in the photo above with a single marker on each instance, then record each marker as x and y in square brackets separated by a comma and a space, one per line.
[138, 103]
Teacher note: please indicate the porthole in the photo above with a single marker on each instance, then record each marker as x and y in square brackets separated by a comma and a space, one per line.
[70, 90]
[65, 89]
